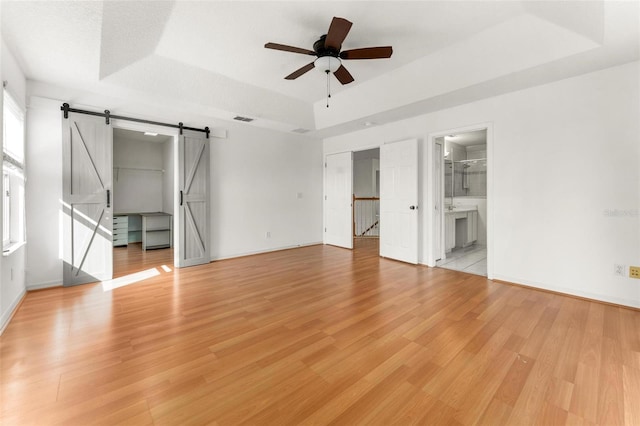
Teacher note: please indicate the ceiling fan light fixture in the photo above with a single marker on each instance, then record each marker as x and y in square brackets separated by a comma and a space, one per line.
[327, 64]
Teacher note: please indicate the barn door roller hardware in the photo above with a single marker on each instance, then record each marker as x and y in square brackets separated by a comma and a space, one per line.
[108, 117]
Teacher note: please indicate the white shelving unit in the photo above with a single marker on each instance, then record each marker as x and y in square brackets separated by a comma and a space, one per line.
[120, 231]
[157, 230]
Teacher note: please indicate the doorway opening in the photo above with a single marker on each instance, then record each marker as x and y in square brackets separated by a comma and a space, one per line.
[392, 174]
[143, 201]
[463, 172]
[366, 199]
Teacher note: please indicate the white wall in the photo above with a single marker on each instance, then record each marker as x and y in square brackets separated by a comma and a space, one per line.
[264, 181]
[573, 212]
[44, 193]
[138, 180]
[257, 177]
[168, 178]
[364, 177]
[12, 267]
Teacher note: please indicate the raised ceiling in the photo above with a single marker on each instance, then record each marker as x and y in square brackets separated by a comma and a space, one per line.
[208, 56]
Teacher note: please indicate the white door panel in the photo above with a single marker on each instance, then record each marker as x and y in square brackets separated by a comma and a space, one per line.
[399, 201]
[338, 200]
[87, 237]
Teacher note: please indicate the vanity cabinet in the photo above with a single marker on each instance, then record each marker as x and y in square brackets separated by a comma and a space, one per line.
[449, 231]
[460, 228]
[472, 228]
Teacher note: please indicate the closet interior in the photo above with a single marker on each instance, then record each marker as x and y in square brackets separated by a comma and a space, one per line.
[142, 191]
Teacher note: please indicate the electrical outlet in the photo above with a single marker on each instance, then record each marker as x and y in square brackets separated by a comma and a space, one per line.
[618, 270]
[268, 234]
[634, 271]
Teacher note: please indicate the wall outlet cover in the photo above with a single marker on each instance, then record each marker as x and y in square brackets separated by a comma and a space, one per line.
[619, 270]
[634, 271]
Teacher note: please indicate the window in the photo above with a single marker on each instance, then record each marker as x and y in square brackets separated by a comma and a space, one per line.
[13, 212]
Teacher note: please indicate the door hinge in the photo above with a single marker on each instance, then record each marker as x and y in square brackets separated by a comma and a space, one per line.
[325, 229]
[325, 198]
[325, 165]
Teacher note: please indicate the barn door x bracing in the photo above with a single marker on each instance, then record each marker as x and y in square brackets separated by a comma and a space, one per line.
[86, 200]
[193, 217]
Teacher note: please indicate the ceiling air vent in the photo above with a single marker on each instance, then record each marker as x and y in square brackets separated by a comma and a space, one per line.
[300, 130]
[241, 118]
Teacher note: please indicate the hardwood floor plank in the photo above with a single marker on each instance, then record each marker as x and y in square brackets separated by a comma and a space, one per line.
[511, 387]
[315, 335]
[497, 413]
[481, 391]
[631, 385]
[584, 400]
[532, 396]
[611, 385]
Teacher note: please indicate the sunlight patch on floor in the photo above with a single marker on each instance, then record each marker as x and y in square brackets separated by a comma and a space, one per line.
[129, 279]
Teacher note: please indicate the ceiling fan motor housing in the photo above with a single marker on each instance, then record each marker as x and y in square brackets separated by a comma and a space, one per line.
[321, 50]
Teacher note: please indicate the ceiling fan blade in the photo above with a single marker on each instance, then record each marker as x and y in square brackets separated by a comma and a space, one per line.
[338, 31]
[343, 75]
[368, 53]
[300, 71]
[286, 48]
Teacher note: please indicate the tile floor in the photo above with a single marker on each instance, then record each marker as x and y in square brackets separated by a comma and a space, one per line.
[472, 259]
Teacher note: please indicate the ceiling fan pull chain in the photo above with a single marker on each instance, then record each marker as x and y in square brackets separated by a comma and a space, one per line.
[328, 88]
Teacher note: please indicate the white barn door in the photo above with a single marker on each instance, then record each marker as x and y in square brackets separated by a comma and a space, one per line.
[338, 199]
[193, 192]
[399, 201]
[87, 223]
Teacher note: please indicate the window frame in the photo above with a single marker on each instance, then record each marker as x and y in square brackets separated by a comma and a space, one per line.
[13, 179]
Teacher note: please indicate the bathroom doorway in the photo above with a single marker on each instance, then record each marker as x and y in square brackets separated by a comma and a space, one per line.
[464, 210]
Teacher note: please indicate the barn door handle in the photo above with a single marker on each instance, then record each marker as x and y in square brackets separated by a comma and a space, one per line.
[108, 198]
[181, 198]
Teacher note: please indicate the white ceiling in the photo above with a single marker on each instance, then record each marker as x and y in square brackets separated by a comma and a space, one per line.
[132, 136]
[208, 56]
[478, 137]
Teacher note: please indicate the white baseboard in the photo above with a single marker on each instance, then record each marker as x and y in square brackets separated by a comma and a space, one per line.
[570, 291]
[233, 256]
[40, 286]
[6, 317]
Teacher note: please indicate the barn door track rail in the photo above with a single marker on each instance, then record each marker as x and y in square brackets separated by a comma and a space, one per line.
[108, 116]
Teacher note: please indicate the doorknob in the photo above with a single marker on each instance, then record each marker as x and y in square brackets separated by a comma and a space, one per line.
[413, 207]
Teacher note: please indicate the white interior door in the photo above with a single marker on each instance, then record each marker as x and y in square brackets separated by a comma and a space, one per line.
[438, 199]
[193, 192]
[87, 195]
[338, 197]
[399, 201]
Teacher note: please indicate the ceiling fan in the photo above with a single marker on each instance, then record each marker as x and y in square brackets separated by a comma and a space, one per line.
[329, 57]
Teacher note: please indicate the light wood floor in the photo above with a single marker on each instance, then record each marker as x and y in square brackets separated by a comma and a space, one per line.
[318, 335]
[131, 259]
